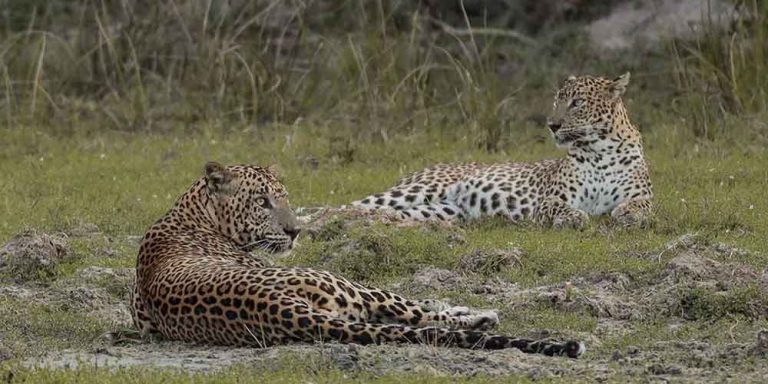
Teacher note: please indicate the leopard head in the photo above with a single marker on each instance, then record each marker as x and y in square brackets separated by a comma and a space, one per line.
[251, 206]
[587, 110]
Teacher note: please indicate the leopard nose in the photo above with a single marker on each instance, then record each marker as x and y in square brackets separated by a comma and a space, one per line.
[554, 126]
[293, 232]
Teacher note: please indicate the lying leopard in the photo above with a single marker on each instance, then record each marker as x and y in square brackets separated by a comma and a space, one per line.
[605, 171]
[197, 281]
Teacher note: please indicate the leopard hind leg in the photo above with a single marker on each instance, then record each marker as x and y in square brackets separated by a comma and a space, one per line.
[320, 327]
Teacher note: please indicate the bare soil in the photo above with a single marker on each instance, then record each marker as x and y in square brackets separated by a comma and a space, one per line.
[619, 302]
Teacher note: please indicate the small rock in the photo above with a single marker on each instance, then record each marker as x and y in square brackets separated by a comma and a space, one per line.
[612, 281]
[437, 278]
[658, 369]
[730, 251]
[109, 252]
[687, 240]
[761, 347]
[455, 239]
[485, 289]
[5, 354]
[693, 265]
[491, 261]
[345, 358]
[134, 239]
[32, 255]
[16, 292]
[93, 273]
[85, 297]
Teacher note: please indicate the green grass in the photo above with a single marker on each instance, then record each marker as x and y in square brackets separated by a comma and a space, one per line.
[123, 182]
[652, 336]
[109, 131]
[32, 329]
[706, 305]
[287, 373]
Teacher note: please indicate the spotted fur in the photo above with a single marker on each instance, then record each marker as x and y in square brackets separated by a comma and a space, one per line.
[605, 171]
[196, 281]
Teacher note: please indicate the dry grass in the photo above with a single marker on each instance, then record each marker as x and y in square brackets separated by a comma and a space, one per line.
[108, 110]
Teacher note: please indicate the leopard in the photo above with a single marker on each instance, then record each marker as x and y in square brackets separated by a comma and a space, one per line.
[199, 280]
[605, 171]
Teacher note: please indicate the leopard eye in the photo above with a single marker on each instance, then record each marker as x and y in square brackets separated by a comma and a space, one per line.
[575, 103]
[262, 202]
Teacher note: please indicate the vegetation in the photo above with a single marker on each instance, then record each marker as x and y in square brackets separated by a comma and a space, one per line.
[722, 69]
[108, 111]
[292, 372]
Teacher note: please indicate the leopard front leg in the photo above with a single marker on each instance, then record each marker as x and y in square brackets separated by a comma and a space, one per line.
[634, 212]
[555, 212]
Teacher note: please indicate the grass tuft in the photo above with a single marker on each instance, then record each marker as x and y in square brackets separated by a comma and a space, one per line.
[723, 69]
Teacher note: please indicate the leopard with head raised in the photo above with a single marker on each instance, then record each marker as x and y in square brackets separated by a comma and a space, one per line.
[198, 281]
[605, 171]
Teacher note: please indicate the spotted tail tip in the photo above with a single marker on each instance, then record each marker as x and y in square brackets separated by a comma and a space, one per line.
[574, 349]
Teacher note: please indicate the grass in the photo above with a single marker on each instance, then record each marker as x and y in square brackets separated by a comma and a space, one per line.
[107, 128]
[122, 183]
[723, 68]
[654, 335]
[35, 328]
[288, 373]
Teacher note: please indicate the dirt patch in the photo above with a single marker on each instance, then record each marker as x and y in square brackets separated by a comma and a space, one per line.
[435, 279]
[120, 276]
[690, 265]
[695, 284]
[696, 281]
[96, 291]
[371, 359]
[32, 255]
[663, 361]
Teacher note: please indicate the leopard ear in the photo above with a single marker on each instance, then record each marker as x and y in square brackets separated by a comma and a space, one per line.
[274, 169]
[217, 177]
[618, 86]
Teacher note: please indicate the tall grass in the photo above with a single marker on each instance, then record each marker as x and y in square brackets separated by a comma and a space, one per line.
[723, 69]
[359, 70]
[142, 63]
[372, 70]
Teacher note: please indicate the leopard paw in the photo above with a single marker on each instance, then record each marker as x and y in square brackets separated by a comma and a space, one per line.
[575, 219]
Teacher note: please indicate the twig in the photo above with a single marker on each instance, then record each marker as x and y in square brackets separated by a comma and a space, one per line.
[483, 31]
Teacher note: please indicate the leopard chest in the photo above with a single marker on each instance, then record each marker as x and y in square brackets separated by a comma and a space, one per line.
[599, 188]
